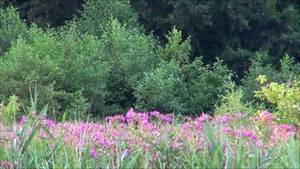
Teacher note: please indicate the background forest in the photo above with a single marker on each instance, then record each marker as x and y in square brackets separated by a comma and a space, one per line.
[185, 56]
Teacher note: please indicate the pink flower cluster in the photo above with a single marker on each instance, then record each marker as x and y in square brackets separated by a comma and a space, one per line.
[5, 164]
[143, 129]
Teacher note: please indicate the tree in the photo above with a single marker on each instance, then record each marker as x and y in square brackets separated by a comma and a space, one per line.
[43, 13]
[231, 30]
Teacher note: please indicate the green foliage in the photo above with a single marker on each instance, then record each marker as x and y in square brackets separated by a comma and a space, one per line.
[105, 69]
[2, 111]
[179, 86]
[205, 83]
[231, 30]
[288, 69]
[28, 61]
[106, 56]
[162, 89]
[130, 54]
[190, 89]
[285, 97]
[11, 27]
[232, 101]
[177, 49]
[45, 13]
[130, 49]
[78, 108]
[96, 13]
[59, 66]
[10, 112]
[84, 69]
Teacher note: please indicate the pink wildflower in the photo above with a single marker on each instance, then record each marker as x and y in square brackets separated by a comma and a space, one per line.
[116, 118]
[5, 164]
[266, 116]
[259, 143]
[166, 117]
[204, 117]
[223, 119]
[282, 132]
[175, 144]
[93, 153]
[228, 131]
[49, 123]
[247, 134]
[130, 115]
[154, 113]
[23, 120]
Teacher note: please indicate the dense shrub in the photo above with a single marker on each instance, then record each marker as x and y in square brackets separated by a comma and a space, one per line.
[177, 48]
[64, 63]
[84, 67]
[232, 101]
[10, 112]
[192, 88]
[130, 54]
[28, 60]
[96, 14]
[288, 69]
[180, 86]
[11, 27]
[162, 89]
[205, 83]
[59, 66]
[285, 97]
[104, 63]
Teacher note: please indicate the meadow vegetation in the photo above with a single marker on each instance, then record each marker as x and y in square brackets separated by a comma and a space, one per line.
[116, 87]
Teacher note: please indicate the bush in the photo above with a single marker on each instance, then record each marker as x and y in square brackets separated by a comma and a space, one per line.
[97, 13]
[11, 27]
[285, 96]
[60, 66]
[231, 102]
[79, 108]
[190, 89]
[287, 70]
[85, 69]
[104, 70]
[178, 85]
[177, 48]
[130, 54]
[163, 89]
[205, 83]
[11, 112]
[31, 60]
[110, 71]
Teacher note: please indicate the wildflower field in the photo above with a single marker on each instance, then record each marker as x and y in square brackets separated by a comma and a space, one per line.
[152, 140]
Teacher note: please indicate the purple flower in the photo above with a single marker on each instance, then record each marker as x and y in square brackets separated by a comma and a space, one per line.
[166, 117]
[282, 132]
[154, 113]
[5, 164]
[223, 119]
[49, 123]
[130, 115]
[204, 117]
[266, 116]
[247, 134]
[23, 119]
[93, 153]
[227, 130]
